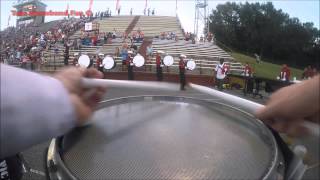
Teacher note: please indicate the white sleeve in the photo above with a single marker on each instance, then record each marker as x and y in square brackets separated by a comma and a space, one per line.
[34, 108]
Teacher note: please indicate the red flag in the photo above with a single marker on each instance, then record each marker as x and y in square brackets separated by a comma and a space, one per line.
[117, 6]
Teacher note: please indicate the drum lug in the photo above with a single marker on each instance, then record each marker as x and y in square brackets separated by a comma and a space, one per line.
[53, 167]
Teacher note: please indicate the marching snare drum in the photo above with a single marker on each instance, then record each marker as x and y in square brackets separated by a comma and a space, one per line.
[108, 63]
[168, 60]
[84, 61]
[163, 137]
[138, 60]
[191, 65]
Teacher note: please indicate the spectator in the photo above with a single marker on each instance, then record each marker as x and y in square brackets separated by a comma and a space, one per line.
[150, 51]
[148, 11]
[117, 52]
[131, 11]
[153, 12]
[124, 56]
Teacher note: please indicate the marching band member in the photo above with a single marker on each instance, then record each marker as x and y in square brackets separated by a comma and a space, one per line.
[247, 73]
[75, 59]
[182, 68]
[99, 62]
[130, 65]
[159, 65]
[220, 73]
[285, 73]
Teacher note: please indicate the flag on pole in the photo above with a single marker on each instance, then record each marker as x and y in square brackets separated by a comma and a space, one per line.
[117, 5]
[9, 18]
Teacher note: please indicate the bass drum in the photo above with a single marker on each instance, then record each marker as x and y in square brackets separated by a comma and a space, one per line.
[176, 138]
[108, 63]
[168, 60]
[191, 65]
[138, 60]
[84, 61]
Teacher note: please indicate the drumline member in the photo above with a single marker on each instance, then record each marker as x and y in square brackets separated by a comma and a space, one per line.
[91, 61]
[220, 73]
[285, 73]
[159, 65]
[75, 59]
[99, 62]
[182, 68]
[247, 73]
[130, 65]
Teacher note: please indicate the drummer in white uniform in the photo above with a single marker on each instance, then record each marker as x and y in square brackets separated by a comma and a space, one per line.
[220, 74]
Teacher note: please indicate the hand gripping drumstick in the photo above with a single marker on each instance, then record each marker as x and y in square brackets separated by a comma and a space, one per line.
[248, 106]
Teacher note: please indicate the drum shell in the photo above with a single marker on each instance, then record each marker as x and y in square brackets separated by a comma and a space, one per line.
[275, 171]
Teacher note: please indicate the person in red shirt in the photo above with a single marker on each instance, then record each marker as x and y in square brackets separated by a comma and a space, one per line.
[99, 62]
[247, 73]
[94, 40]
[182, 68]
[159, 66]
[285, 73]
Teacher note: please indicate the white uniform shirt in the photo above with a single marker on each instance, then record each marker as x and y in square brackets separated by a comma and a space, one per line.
[220, 72]
[34, 108]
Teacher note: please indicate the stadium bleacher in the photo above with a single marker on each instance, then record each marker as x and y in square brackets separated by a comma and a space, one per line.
[206, 55]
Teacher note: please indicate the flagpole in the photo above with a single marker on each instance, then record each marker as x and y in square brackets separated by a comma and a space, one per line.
[176, 7]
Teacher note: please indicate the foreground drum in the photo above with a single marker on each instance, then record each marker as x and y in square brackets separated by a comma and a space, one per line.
[160, 137]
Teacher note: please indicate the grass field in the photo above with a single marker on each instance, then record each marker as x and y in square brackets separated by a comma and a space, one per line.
[264, 69]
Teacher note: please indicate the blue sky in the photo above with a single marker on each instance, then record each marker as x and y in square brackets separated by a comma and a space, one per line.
[305, 10]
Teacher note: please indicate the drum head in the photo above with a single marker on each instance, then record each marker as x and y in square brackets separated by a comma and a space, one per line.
[84, 61]
[191, 65]
[138, 60]
[108, 63]
[168, 60]
[169, 138]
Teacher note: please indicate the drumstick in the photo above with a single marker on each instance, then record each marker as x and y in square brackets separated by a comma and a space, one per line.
[146, 85]
[248, 106]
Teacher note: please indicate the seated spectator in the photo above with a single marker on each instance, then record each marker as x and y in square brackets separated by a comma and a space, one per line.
[150, 51]
[187, 37]
[117, 52]
[124, 55]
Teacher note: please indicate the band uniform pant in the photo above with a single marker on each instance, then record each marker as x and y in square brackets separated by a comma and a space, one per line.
[219, 84]
[182, 79]
[159, 73]
[130, 73]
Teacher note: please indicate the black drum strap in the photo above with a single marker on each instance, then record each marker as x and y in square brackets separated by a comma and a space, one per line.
[286, 151]
[11, 168]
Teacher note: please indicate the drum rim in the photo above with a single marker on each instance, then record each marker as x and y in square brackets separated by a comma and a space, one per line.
[55, 145]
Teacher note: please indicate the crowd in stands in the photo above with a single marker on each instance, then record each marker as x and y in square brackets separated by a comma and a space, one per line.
[168, 36]
[26, 44]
